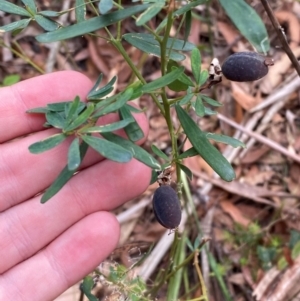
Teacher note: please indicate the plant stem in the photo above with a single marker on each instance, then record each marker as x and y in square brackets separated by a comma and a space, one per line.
[137, 73]
[281, 35]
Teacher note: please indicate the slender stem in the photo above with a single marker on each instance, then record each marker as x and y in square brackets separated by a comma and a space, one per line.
[23, 57]
[126, 57]
[281, 35]
[203, 287]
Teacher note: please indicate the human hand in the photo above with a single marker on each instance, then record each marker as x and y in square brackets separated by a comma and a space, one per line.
[46, 248]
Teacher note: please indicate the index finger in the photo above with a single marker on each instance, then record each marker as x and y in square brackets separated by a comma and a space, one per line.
[37, 92]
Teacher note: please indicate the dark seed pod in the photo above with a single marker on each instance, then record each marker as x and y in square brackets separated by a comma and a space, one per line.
[166, 207]
[246, 66]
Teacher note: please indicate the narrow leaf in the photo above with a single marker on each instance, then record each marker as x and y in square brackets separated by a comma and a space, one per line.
[13, 9]
[211, 101]
[186, 170]
[74, 159]
[108, 127]
[133, 130]
[188, 7]
[97, 93]
[203, 77]
[15, 25]
[163, 81]
[46, 23]
[120, 102]
[207, 151]
[90, 25]
[105, 6]
[72, 110]
[56, 119]
[50, 13]
[159, 153]
[149, 13]
[108, 149]
[186, 99]
[188, 25]
[80, 10]
[199, 107]
[138, 153]
[96, 85]
[225, 139]
[64, 176]
[46, 144]
[38, 110]
[248, 23]
[31, 5]
[191, 152]
[196, 64]
[81, 119]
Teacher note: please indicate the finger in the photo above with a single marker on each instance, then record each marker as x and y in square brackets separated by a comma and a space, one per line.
[26, 174]
[37, 92]
[64, 262]
[28, 227]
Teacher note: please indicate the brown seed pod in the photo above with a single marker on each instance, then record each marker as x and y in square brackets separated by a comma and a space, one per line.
[166, 207]
[246, 66]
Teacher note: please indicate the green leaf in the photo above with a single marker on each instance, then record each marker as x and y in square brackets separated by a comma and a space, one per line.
[15, 25]
[133, 130]
[74, 159]
[46, 144]
[50, 13]
[81, 119]
[209, 111]
[13, 9]
[199, 107]
[183, 81]
[211, 101]
[108, 149]
[80, 10]
[207, 151]
[248, 23]
[203, 77]
[225, 139]
[105, 6]
[196, 64]
[56, 119]
[120, 102]
[97, 93]
[186, 99]
[138, 153]
[159, 153]
[163, 81]
[90, 25]
[187, 7]
[46, 23]
[11, 79]
[175, 44]
[96, 85]
[87, 286]
[108, 127]
[71, 110]
[38, 110]
[149, 13]
[64, 176]
[186, 170]
[191, 152]
[31, 5]
[188, 25]
[147, 43]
